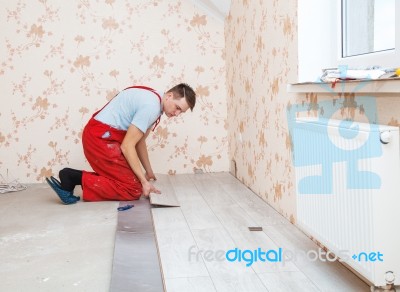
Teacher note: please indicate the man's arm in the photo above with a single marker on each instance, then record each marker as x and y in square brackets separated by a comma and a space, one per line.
[141, 149]
[128, 148]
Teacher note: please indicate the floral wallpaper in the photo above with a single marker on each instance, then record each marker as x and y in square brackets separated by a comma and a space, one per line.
[63, 60]
[261, 53]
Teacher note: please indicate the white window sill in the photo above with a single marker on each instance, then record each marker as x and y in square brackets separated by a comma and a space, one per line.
[387, 85]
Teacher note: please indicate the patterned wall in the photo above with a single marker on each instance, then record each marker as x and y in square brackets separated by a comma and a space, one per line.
[62, 60]
[261, 52]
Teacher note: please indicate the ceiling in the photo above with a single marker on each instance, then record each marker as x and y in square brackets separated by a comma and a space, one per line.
[218, 9]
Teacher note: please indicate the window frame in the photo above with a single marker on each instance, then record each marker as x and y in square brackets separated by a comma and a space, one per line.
[319, 24]
[385, 59]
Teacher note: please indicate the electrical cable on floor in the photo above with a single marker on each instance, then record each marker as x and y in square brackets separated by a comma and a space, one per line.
[12, 186]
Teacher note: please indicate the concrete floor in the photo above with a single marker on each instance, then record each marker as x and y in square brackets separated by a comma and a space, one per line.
[47, 246]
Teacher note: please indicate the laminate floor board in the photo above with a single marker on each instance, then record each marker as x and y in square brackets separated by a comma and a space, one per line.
[197, 212]
[213, 218]
[169, 219]
[175, 241]
[326, 275]
[193, 284]
[236, 222]
[205, 182]
[185, 189]
[288, 281]
[167, 196]
[255, 240]
[181, 180]
[290, 238]
[211, 190]
[226, 178]
[239, 283]
[226, 275]
[233, 218]
[256, 207]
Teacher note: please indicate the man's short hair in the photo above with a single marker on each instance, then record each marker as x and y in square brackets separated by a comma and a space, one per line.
[184, 90]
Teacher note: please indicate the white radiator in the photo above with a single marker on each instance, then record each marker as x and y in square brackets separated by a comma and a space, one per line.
[348, 193]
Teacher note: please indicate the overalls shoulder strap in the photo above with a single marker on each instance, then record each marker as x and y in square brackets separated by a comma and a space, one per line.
[155, 92]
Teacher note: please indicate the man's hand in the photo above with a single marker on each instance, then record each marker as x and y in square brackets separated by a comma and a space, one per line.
[149, 188]
[150, 176]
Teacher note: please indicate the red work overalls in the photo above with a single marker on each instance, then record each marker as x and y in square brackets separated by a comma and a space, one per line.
[113, 178]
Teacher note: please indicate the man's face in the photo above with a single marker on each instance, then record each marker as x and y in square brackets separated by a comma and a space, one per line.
[174, 107]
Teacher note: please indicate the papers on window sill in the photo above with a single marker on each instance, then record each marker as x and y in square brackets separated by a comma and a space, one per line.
[333, 75]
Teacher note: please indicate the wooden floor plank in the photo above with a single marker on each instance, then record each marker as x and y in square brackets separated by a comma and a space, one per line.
[214, 215]
[288, 281]
[256, 207]
[167, 196]
[211, 190]
[226, 275]
[197, 213]
[324, 274]
[175, 241]
[225, 178]
[236, 222]
[192, 284]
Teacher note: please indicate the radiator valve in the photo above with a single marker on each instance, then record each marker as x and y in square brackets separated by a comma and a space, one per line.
[389, 277]
[386, 137]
